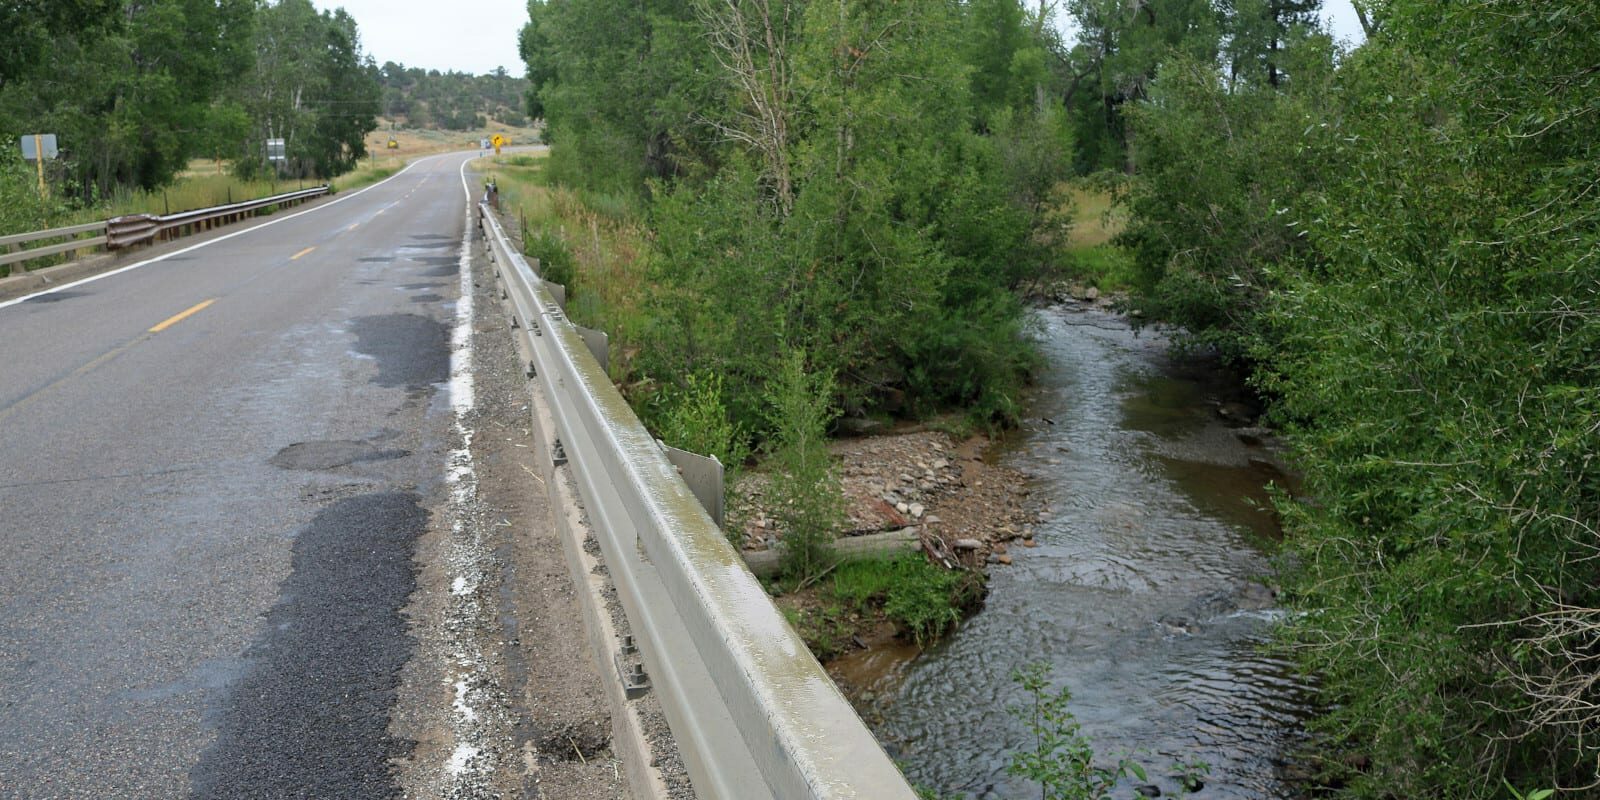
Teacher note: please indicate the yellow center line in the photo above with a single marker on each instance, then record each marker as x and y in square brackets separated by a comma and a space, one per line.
[97, 361]
[181, 316]
[297, 256]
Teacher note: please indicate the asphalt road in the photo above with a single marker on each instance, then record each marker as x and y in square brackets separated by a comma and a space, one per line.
[213, 472]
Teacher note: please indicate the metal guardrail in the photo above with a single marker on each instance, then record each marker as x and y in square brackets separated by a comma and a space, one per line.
[141, 228]
[753, 713]
[14, 255]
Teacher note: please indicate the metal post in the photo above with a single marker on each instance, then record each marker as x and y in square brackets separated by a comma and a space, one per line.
[38, 160]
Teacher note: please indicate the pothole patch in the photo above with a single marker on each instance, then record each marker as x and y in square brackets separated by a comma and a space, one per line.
[324, 455]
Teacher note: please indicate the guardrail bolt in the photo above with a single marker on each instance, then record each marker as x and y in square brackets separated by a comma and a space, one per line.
[558, 454]
[634, 680]
[628, 645]
[533, 372]
[514, 324]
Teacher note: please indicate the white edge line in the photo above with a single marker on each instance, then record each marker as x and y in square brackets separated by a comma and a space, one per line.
[228, 236]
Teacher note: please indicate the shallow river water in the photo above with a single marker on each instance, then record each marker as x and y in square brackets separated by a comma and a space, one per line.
[1143, 595]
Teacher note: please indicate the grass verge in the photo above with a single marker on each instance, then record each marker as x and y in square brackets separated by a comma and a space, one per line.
[594, 245]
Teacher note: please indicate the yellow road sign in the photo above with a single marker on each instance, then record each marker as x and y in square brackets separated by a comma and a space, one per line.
[497, 141]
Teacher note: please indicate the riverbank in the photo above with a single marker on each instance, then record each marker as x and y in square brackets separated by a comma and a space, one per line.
[957, 511]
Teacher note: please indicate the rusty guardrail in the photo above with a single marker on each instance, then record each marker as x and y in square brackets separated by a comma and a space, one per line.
[135, 229]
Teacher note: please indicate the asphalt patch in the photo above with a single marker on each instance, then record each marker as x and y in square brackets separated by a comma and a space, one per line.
[429, 245]
[412, 287]
[55, 297]
[411, 350]
[310, 716]
[331, 454]
[426, 298]
[376, 259]
[429, 236]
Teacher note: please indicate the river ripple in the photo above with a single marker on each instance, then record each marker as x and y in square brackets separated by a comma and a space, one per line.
[1143, 594]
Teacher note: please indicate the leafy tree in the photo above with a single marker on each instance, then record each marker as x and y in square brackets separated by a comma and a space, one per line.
[1438, 360]
[311, 87]
[1404, 244]
[29, 27]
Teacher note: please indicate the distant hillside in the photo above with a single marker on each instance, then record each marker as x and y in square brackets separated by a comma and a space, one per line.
[452, 101]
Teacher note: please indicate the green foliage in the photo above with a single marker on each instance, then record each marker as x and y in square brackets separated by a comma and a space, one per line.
[555, 258]
[1404, 241]
[1221, 172]
[133, 91]
[695, 417]
[129, 100]
[309, 85]
[21, 207]
[924, 601]
[806, 500]
[1062, 758]
[875, 207]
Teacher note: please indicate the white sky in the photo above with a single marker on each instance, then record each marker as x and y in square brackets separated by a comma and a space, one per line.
[465, 35]
[478, 35]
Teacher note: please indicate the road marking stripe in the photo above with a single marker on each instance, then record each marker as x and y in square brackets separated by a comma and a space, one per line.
[182, 315]
[296, 256]
[353, 226]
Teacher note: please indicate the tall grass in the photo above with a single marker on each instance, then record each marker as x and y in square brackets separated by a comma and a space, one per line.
[596, 243]
[1089, 254]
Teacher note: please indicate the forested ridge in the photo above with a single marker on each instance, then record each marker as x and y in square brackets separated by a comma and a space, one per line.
[1397, 239]
[450, 100]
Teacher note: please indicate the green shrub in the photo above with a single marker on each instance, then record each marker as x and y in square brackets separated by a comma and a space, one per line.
[807, 502]
[923, 600]
[556, 264]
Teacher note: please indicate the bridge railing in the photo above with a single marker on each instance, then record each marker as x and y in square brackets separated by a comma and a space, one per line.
[752, 711]
[135, 229]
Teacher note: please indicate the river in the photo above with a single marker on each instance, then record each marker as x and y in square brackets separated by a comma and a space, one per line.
[1144, 594]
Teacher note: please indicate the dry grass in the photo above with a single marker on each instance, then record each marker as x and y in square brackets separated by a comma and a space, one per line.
[417, 142]
[1095, 220]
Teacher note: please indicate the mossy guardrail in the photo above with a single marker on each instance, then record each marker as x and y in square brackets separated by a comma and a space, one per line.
[753, 713]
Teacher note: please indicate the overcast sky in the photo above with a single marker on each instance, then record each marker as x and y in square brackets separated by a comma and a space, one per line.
[478, 35]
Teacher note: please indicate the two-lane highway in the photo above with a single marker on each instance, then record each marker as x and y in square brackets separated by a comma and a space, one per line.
[213, 472]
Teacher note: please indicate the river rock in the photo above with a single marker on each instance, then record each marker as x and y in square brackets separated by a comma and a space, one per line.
[1003, 559]
[916, 510]
[967, 544]
[1148, 790]
[1000, 547]
[1092, 294]
[902, 507]
[1029, 543]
